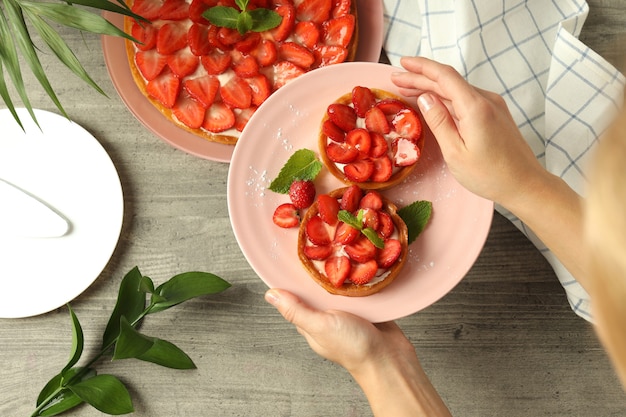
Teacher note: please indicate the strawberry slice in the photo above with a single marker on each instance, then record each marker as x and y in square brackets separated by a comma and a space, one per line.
[363, 273]
[362, 99]
[164, 89]
[242, 117]
[338, 32]
[407, 123]
[189, 111]
[218, 118]
[229, 37]
[198, 39]
[360, 140]
[261, 88]
[405, 152]
[150, 63]
[341, 153]
[328, 207]
[237, 93]
[286, 216]
[371, 200]
[385, 225]
[332, 131]
[250, 41]
[379, 145]
[390, 106]
[306, 34]
[329, 54]
[316, 11]
[383, 169]
[288, 14]
[203, 89]
[216, 62]
[148, 9]
[246, 67]
[318, 253]
[359, 171]
[376, 121]
[266, 53]
[146, 34]
[341, 7]
[174, 10]
[351, 198]
[171, 37]
[316, 231]
[183, 63]
[197, 7]
[342, 115]
[389, 254]
[370, 219]
[337, 269]
[296, 54]
[285, 71]
[345, 234]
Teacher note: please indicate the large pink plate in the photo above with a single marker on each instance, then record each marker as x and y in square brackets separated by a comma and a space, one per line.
[288, 121]
[370, 42]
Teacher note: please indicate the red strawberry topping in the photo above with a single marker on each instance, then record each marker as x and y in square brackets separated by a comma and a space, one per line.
[362, 99]
[296, 54]
[332, 131]
[174, 10]
[390, 253]
[318, 253]
[362, 273]
[302, 193]
[407, 123]
[328, 208]
[338, 32]
[341, 153]
[189, 111]
[203, 89]
[198, 39]
[164, 89]
[171, 37]
[285, 71]
[316, 11]
[183, 63]
[307, 34]
[261, 88]
[148, 9]
[218, 118]
[351, 198]
[345, 234]
[337, 269]
[286, 216]
[361, 250]
[316, 231]
[150, 63]
[237, 93]
[146, 34]
[343, 116]
[288, 14]
[359, 171]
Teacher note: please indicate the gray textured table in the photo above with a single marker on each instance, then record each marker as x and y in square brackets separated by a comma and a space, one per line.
[503, 342]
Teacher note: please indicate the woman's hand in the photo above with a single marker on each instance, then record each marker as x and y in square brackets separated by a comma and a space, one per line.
[479, 139]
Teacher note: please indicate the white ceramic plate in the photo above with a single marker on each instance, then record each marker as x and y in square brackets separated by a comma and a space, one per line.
[288, 121]
[370, 42]
[65, 166]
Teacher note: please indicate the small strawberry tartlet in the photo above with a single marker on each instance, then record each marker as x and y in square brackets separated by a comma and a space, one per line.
[342, 256]
[371, 137]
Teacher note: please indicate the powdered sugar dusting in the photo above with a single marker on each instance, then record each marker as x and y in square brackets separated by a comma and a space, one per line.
[257, 182]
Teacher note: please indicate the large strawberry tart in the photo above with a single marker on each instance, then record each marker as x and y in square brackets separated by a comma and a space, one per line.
[210, 79]
[371, 137]
[339, 256]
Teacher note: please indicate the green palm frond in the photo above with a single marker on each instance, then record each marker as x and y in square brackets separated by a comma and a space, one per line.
[18, 17]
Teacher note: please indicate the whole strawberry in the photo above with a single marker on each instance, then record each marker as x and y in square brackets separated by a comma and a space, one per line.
[302, 193]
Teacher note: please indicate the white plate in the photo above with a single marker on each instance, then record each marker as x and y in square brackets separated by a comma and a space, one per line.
[65, 166]
[289, 120]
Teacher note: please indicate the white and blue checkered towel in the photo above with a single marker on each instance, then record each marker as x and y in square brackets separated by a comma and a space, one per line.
[561, 93]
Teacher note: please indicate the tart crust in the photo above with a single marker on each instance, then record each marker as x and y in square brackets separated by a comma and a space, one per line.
[397, 177]
[349, 289]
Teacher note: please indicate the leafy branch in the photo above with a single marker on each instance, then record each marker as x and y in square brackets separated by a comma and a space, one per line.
[16, 19]
[121, 339]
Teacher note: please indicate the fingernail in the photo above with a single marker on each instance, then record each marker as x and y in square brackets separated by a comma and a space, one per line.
[396, 74]
[272, 297]
[425, 101]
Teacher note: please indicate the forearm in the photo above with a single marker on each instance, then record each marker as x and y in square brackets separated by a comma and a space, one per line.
[553, 211]
[399, 387]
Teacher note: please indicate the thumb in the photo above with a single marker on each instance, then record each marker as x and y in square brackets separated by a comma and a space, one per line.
[440, 121]
[293, 309]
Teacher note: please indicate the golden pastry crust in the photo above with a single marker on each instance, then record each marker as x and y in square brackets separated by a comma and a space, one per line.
[396, 178]
[224, 138]
[349, 289]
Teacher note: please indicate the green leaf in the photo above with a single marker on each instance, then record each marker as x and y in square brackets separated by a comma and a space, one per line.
[244, 22]
[264, 19]
[372, 235]
[105, 393]
[77, 342]
[350, 219]
[130, 343]
[222, 16]
[185, 286]
[65, 400]
[416, 215]
[242, 4]
[302, 165]
[58, 399]
[167, 354]
[131, 302]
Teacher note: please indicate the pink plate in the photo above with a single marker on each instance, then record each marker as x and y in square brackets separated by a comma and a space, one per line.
[370, 42]
[288, 121]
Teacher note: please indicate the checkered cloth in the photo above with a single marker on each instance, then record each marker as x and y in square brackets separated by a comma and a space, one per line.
[561, 93]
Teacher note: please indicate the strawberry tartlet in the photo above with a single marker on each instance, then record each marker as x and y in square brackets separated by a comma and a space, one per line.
[209, 79]
[371, 137]
[339, 255]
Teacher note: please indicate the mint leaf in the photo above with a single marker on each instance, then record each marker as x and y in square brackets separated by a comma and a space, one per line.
[222, 16]
[350, 219]
[357, 223]
[372, 235]
[416, 216]
[244, 22]
[302, 165]
[264, 19]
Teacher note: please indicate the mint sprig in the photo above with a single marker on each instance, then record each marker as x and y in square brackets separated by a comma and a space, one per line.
[302, 165]
[357, 223]
[416, 215]
[121, 339]
[244, 20]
